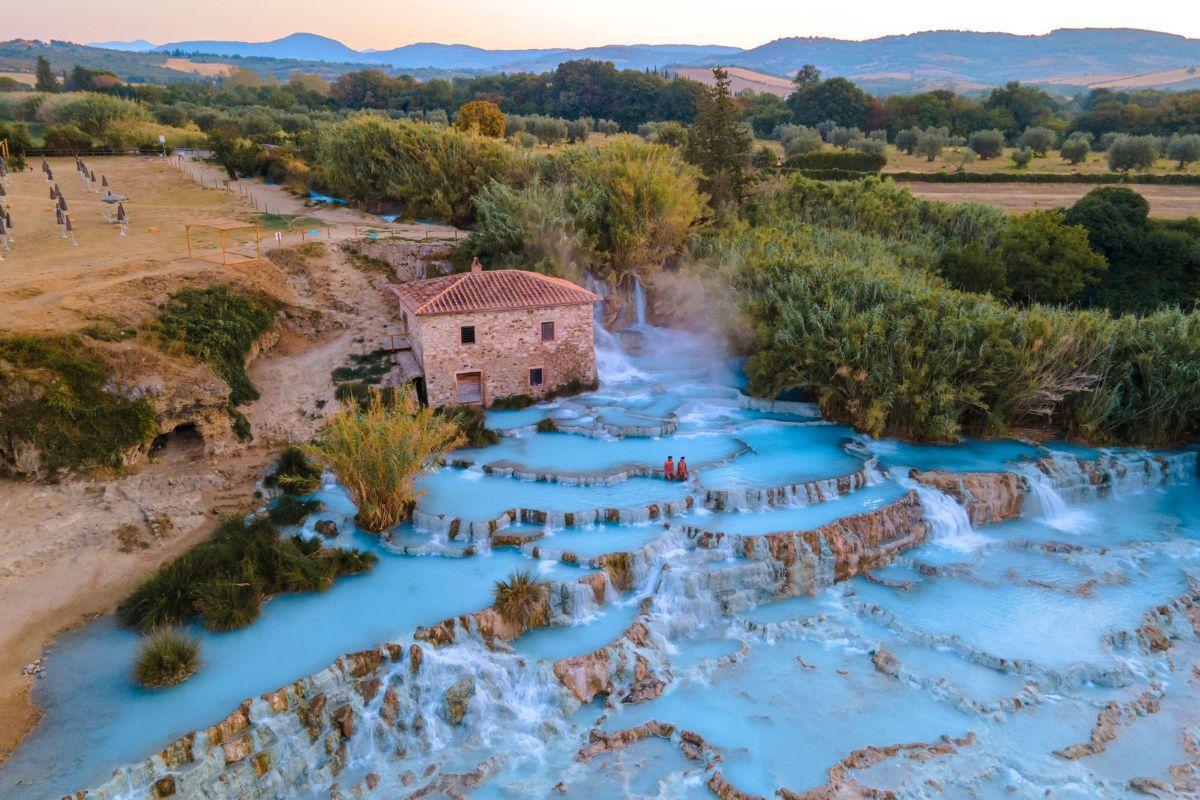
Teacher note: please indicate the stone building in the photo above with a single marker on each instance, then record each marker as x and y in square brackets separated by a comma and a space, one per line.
[481, 335]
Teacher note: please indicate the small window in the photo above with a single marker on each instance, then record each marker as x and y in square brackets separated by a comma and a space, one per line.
[466, 334]
[535, 377]
[547, 331]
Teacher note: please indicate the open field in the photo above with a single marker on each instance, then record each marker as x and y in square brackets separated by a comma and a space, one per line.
[203, 68]
[1164, 79]
[1051, 163]
[1170, 202]
[741, 79]
[27, 78]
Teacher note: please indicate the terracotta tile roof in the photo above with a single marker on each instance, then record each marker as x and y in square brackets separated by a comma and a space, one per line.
[490, 290]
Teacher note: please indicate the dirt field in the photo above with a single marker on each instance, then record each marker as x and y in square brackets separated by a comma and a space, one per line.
[60, 559]
[1051, 163]
[24, 77]
[740, 80]
[206, 69]
[1171, 202]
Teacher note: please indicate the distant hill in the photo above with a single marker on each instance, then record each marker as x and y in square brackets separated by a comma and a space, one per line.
[964, 59]
[312, 47]
[137, 46]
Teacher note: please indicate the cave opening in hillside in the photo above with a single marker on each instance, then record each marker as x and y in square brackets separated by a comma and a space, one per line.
[182, 440]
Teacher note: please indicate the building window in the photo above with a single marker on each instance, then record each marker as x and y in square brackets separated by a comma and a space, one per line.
[468, 387]
[535, 377]
[466, 334]
[547, 331]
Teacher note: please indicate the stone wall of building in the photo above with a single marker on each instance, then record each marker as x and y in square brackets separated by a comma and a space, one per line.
[508, 344]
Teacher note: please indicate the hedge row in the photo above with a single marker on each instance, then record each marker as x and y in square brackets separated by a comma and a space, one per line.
[841, 160]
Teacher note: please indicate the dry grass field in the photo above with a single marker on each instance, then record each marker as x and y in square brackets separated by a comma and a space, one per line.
[27, 78]
[202, 68]
[1170, 202]
[740, 79]
[1051, 163]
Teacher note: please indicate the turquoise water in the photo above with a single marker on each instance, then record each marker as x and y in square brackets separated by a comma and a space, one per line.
[782, 689]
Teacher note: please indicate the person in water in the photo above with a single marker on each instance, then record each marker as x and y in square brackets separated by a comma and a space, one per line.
[681, 472]
[669, 468]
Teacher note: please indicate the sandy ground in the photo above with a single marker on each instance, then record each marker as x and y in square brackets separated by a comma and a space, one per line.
[61, 562]
[1171, 202]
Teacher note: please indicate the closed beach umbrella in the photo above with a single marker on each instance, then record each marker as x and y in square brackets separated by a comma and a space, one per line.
[67, 217]
[58, 216]
[121, 213]
[104, 181]
[62, 202]
[3, 230]
[8, 219]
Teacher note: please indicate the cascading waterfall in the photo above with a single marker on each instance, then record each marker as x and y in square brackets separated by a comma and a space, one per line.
[639, 302]
[950, 527]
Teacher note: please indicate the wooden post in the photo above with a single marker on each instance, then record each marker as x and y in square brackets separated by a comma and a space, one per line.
[257, 240]
[187, 232]
[223, 259]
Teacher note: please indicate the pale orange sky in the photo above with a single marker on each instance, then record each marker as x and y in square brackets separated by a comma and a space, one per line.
[384, 24]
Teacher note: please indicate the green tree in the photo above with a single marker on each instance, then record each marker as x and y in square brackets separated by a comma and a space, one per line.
[1132, 152]
[719, 145]
[1184, 149]
[932, 141]
[1038, 139]
[483, 116]
[1023, 105]
[1021, 157]
[973, 268]
[45, 79]
[1047, 260]
[906, 139]
[987, 144]
[836, 99]
[806, 77]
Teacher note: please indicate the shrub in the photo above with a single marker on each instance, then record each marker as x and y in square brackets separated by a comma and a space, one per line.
[546, 425]
[1075, 150]
[218, 326]
[870, 146]
[165, 658]
[65, 136]
[289, 510]
[428, 171]
[906, 140]
[224, 578]
[798, 139]
[521, 599]
[1021, 157]
[987, 144]
[1048, 260]
[378, 451]
[294, 472]
[473, 424]
[58, 410]
[512, 402]
[483, 117]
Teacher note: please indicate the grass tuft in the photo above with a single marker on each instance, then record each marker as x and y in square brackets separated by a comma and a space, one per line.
[167, 657]
[521, 599]
[294, 472]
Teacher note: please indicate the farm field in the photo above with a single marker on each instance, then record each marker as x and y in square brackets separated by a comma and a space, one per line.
[1170, 202]
[1051, 163]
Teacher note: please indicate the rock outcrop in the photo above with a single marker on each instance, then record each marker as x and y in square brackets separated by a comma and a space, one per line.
[988, 497]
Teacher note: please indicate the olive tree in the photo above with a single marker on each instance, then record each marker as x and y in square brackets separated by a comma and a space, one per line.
[932, 141]
[1184, 149]
[906, 140]
[1075, 150]
[1039, 140]
[1132, 152]
[987, 144]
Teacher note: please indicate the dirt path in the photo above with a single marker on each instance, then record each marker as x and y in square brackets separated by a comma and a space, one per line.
[61, 561]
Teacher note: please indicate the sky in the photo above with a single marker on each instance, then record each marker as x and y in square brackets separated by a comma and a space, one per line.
[383, 24]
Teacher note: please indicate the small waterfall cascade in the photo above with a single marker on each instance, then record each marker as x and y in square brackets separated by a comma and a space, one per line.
[1044, 500]
[950, 527]
[639, 302]
[1078, 481]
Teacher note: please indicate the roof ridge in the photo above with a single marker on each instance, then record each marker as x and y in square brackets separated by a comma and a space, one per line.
[450, 285]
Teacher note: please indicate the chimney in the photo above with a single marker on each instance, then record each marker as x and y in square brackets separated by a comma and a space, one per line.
[475, 265]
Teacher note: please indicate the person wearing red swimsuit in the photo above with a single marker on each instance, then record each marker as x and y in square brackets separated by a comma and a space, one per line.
[669, 468]
[681, 472]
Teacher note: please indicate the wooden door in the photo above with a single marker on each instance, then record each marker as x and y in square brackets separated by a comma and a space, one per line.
[468, 387]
